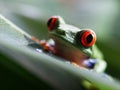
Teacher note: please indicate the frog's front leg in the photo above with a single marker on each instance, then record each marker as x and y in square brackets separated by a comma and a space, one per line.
[47, 46]
[100, 66]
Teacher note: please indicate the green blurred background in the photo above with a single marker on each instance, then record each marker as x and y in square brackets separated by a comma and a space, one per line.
[102, 16]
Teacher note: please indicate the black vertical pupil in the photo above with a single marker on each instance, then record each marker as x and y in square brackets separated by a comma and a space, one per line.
[49, 21]
[89, 38]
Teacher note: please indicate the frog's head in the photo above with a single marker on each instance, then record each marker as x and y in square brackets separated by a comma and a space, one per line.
[81, 39]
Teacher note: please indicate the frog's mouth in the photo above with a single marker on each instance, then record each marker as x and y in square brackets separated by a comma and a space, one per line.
[70, 42]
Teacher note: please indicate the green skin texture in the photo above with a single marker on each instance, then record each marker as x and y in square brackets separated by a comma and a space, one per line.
[65, 32]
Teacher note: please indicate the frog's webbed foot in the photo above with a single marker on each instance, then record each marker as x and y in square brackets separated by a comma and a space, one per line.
[48, 46]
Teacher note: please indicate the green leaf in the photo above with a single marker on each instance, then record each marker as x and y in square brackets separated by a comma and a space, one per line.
[45, 70]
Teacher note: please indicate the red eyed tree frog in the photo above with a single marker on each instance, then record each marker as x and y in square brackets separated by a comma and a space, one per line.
[73, 44]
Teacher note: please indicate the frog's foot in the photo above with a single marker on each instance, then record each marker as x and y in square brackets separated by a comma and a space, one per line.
[48, 46]
[89, 63]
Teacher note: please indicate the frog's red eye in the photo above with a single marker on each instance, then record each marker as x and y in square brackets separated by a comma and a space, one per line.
[88, 38]
[53, 23]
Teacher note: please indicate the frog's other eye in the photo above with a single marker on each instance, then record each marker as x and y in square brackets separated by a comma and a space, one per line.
[53, 23]
[87, 38]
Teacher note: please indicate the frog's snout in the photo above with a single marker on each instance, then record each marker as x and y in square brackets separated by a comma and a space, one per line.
[86, 37]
